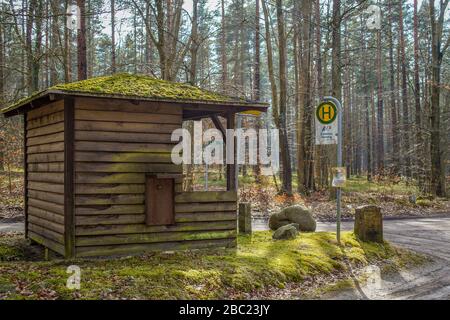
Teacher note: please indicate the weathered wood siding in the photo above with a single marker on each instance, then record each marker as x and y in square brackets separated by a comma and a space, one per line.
[118, 143]
[45, 175]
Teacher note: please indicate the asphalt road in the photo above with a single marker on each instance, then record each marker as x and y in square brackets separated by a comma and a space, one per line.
[11, 227]
[426, 235]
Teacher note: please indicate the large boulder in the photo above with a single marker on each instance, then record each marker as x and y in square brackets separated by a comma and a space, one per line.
[286, 232]
[294, 214]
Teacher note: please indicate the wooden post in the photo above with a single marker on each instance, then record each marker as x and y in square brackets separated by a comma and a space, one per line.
[245, 218]
[231, 168]
[69, 221]
[369, 224]
[219, 126]
[25, 175]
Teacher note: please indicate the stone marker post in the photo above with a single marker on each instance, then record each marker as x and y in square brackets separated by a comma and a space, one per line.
[245, 218]
[369, 224]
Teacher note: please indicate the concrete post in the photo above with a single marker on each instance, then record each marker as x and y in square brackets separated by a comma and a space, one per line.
[369, 224]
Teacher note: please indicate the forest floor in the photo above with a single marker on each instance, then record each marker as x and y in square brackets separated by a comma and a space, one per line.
[310, 266]
[258, 267]
[11, 196]
[400, 200]
[397, 200]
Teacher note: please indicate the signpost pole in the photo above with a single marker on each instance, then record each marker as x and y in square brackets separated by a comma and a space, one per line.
[339, 164]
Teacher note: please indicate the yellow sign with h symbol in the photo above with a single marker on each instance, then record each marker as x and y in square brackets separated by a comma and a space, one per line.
[326, 112]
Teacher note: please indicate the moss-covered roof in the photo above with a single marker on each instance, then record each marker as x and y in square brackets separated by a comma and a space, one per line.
[125, 85]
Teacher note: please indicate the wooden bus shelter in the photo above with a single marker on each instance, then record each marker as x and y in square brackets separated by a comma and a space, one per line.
[99, 179]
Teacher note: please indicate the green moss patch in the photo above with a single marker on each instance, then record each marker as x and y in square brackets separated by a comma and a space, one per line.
[13, 247]
[257, 263]
[139, 86]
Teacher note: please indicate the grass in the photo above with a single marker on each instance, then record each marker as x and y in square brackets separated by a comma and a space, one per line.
[360, 184]
[257, 263]
[354, 184]
[214, 180]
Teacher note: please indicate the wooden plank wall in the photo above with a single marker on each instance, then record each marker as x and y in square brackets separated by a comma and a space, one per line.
[45, 175]
[117, 143]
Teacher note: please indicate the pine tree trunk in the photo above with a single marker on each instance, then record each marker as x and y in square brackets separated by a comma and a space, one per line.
[2, 89]
[297, 44]
[373, 129]
[419, 141]
[348, 144]
[406, 143]
[270, 67]
[366, 109]
[223, 52]
[437, 161]
[55, 42]
[336, 51]
[257, 83]
[305, 81]
[67, 52]
[380, 111]
[36, 55]
[336, 81]
[148, 40]
[284, 146]
[113, 37]
[29, 46]
[394, 119]
[81, 42]
[194, 44]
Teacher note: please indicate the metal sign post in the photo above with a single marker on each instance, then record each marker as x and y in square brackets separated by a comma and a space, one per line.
[337, 103]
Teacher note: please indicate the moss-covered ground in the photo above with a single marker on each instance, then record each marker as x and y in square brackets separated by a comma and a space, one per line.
[257, 263]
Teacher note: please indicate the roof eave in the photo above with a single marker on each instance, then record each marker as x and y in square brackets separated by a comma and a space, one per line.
[40, 99]
[153, 99]
[50, 95]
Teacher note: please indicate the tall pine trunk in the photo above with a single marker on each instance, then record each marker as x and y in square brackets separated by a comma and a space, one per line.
[336, 81]
[366, 109]
[257, 81]
[54, 42]
[67, 50]
[394, 119]
[81, 42]
[380, 108]
[419, 141]
[284, 145]
[437, 161]
[2, 88]
[223, 52]
[113, 37]
[406, 143]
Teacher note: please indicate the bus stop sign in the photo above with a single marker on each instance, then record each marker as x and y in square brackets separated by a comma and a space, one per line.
[326, 126]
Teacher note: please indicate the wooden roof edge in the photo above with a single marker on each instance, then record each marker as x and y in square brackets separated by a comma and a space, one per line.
[35, 101]
[51, 95]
